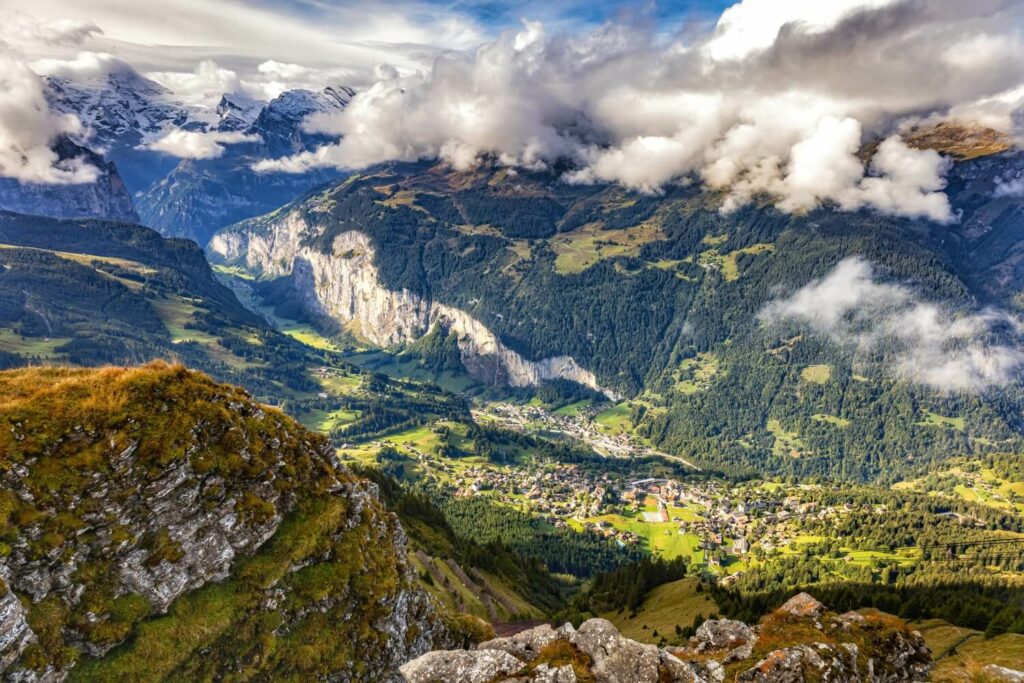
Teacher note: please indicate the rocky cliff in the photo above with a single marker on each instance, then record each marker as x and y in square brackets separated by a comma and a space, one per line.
[343, 285]
[156, 525]
[799, 642]
[107, 197]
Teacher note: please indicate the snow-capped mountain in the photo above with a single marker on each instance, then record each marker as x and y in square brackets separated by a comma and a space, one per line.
[237, 111]
[125, 111]
[201, 195]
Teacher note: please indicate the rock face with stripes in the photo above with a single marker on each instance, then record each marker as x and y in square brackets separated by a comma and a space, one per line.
[343, 286]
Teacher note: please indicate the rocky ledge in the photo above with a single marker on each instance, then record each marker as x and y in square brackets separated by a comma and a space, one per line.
[801, 641]
[206, 535]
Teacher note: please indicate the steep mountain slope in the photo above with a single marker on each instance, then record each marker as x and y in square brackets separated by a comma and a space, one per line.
[155, 525]
[107, 197]
[655, 298]
[198, 196]
[91, 292]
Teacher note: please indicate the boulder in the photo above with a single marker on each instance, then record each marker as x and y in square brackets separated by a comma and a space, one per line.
[803, 605]
[1001, 674]
[734, 637]
[525, 645]
[561, 674]
[691, 672]
[815, 662]
[615, 659]
[460, 666]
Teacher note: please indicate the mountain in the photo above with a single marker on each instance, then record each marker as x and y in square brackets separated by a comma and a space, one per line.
[237, 111]
[124, 110]
[656, 299]
[107, 197]
[193, 197]
[201, 195]
[92, 292]
[158, 526]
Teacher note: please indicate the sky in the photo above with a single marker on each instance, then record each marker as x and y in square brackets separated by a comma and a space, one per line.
[750, 97]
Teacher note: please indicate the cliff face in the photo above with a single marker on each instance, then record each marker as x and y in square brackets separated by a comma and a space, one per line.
[155, 506]
[344, 286]
[800, 642]
[107, 197]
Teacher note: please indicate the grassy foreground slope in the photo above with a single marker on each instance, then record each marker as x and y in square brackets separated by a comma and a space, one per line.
[157, 525]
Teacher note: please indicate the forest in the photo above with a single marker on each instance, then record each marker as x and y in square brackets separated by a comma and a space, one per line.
[684, 286]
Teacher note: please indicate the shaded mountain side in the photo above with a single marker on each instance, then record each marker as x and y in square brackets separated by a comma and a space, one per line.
[94, 292]
[107, 197]
[156, 525]
[657, 298]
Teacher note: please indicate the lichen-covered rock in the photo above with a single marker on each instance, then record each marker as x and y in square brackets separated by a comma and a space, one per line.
[799, 643]
[817, 662]
[15, 634]
[525, 645]
[615, 657]
[734, 637]
[680, 671]
[156, 494]
[560, 674]
[803, 605]
[465, 666]
[1001, 674]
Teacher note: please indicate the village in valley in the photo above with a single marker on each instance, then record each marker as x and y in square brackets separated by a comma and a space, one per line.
[676, 512]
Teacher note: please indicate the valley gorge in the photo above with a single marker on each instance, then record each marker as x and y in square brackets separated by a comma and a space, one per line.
[342, 285]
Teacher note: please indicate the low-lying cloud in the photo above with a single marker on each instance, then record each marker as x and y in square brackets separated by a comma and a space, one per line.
[186, 144]
[28, 129]
[925, 343]
[1009, 187]
[778, 100]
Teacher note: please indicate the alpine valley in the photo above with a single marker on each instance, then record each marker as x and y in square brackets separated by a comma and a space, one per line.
[438, 418]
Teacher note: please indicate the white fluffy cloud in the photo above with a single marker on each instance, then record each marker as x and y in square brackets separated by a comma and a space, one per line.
[187, 144]
[752, 25]
[206, 83]
[779, 100]
[28, 128]
[1009, 187]
[925, 343]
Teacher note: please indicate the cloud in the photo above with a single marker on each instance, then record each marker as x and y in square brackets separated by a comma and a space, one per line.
[948, 350]
[197, 145]
[174, 35]
[84, 65]
[779, 100]
[753, 25]
[1010, 187]
[206, 83]
[22, 31]
[28, 128]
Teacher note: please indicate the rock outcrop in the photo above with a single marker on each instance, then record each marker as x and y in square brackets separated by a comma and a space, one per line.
[126, 491]
[801, 641]
[343, 285]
